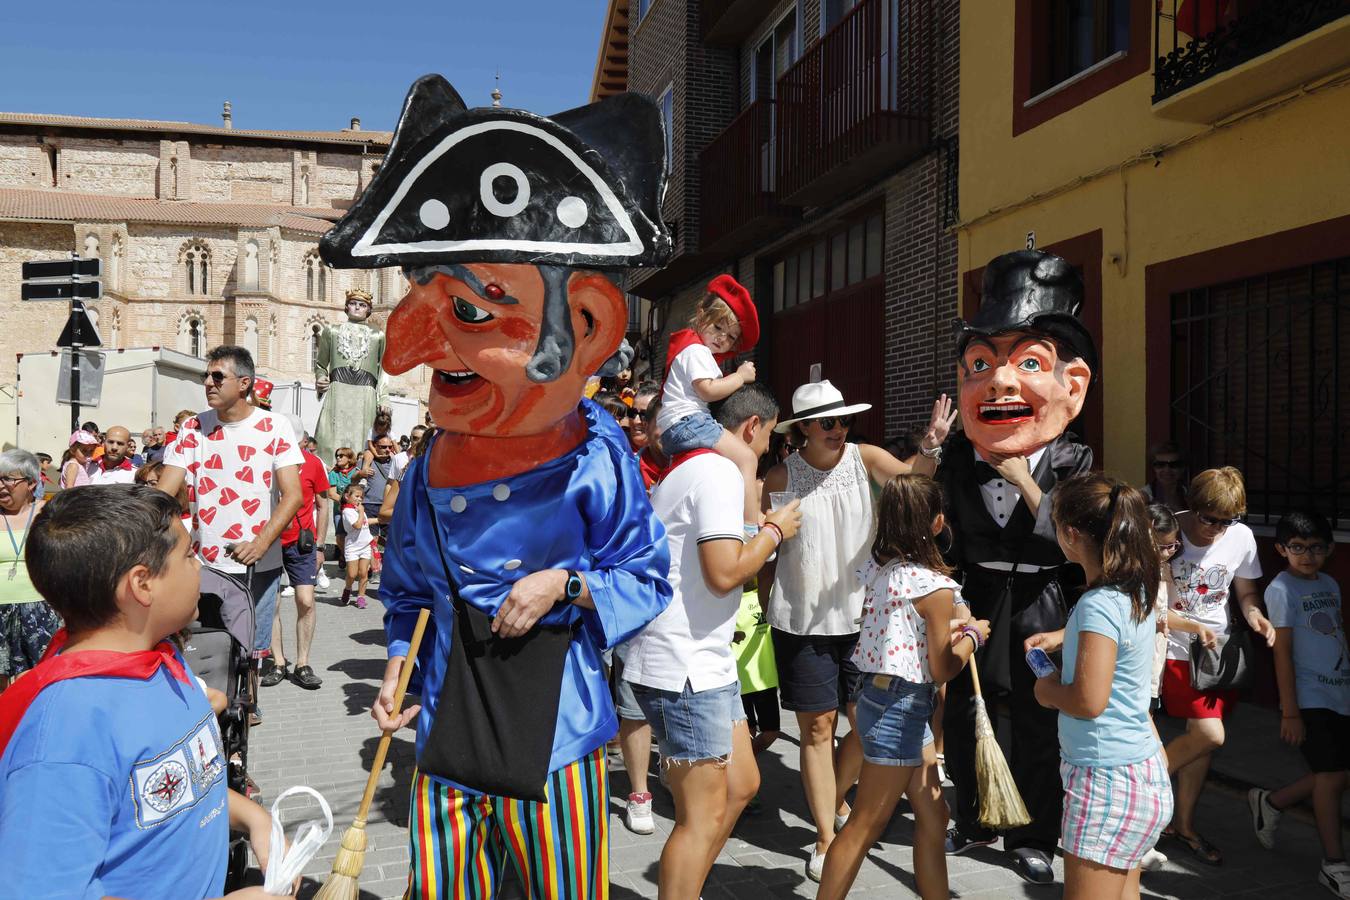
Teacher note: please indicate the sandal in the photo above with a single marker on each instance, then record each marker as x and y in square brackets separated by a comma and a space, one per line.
[1200, 848]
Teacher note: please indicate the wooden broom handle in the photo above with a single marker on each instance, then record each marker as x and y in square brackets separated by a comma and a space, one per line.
[975, 675]
[409, 663]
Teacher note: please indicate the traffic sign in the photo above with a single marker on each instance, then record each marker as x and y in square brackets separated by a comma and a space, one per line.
[61, 290]
[63, 268]
[89, 336]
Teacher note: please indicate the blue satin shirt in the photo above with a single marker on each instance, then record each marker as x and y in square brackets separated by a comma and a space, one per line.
[586, 510]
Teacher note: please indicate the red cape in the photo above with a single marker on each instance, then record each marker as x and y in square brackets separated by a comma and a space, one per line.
[16, 699]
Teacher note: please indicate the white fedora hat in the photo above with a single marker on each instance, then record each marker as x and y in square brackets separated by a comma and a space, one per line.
[817, 399]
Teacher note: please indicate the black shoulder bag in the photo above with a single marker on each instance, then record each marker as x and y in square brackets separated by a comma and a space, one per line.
[1228, 666]
[498, 707]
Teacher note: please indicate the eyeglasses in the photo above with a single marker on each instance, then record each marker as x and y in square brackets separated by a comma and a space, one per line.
[1168, 464]
[11, 480]
[828, 423]
[1217, 523]
[1302, 549]
[1168, 548]
[218, 378]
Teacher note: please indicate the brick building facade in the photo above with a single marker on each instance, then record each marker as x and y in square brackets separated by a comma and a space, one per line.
[208, 235]
[813, 155]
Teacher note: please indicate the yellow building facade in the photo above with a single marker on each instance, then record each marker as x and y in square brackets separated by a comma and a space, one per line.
[1194, 217]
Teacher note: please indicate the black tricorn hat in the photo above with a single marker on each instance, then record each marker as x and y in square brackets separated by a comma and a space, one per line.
[582, 188]
[1031, 290]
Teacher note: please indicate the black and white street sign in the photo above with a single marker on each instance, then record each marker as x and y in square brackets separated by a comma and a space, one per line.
[62, 290]
[75, 267]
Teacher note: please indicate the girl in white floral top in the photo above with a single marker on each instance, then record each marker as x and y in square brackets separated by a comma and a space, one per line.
[906, 650]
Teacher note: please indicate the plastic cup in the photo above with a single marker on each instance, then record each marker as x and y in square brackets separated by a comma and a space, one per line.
[780, 499]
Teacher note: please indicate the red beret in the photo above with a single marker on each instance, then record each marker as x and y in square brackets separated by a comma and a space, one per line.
[742, 305]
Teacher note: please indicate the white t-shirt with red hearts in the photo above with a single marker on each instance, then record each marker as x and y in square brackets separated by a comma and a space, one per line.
[231, 481]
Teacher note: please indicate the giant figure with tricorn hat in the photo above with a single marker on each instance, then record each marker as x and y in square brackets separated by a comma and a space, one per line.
[1025, 362]
[524, 528]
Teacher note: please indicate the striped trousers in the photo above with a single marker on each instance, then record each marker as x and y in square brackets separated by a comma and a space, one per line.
[560, 849]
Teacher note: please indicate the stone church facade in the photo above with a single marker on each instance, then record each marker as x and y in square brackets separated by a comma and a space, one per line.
[208, 234]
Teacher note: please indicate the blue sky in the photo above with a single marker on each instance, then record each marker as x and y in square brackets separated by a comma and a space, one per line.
[302, 64]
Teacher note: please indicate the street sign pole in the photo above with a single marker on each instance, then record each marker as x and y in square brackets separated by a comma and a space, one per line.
[76, 308]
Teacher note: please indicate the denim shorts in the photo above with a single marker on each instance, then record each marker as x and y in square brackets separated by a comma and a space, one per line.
[625, 701]
[699, 431]
[893, 717]
[692, 725]
[264, 586]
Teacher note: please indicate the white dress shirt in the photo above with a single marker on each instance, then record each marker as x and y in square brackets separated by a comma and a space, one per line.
[1000, 498]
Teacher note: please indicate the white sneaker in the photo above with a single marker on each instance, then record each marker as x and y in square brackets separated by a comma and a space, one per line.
[840, 820]
[815, 866]
[1335, 877]
[288, 591]
[638, 816]
[1153, 860]
[1265, 818]
[322, 583]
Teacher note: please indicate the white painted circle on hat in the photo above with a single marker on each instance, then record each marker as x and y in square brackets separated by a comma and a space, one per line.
[458, 503]
[572, 212]
[511, 565]
[434, 214]
[466, 570]
[489, 196]
[501, 492]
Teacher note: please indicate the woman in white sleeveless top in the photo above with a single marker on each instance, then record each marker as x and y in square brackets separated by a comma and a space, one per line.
[816, 600]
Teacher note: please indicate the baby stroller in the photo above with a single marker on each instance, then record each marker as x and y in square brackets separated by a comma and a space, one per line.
[220, 652]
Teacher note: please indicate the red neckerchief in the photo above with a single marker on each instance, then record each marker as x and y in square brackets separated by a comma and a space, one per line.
[651, 472]
[124, 465]
[680, 460]
[54, 667]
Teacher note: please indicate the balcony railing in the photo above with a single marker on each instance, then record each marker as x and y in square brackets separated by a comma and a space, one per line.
[739, 200]
[863, 88]
[1212, 36]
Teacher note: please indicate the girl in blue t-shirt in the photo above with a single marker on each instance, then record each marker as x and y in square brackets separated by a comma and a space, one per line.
[906, 649]
[1118, 795]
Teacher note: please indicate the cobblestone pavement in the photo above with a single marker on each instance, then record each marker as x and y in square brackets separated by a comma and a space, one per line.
[326, 739]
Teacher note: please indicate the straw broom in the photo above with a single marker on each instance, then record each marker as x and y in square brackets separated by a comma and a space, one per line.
[1001, 805]
[343, 881]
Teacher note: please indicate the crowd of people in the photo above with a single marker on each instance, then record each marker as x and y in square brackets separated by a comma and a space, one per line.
[833, 598]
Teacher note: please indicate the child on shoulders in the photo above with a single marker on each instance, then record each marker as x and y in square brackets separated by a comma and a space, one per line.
[726, 324]
[112, 771]
[907, 648]
[1312, 668]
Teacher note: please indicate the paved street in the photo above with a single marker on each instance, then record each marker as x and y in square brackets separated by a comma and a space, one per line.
[325, 739]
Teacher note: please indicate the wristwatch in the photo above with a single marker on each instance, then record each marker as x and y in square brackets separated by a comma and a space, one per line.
[574, 586]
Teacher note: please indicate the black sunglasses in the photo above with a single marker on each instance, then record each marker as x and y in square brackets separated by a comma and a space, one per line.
[828, 423]
[1217, 523]
[644, 415]
[217, 378]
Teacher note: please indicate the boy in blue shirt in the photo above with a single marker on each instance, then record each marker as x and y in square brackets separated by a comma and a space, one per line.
[1313, 671]
[112, 773]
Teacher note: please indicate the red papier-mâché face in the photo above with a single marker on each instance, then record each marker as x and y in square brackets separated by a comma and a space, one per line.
[1017, 393]
[480, 338]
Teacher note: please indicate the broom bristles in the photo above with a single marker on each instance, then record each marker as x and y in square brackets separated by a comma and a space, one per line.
[1001, 805]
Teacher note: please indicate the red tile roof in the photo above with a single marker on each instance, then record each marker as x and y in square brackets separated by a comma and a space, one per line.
[379, 140]
[20, 204]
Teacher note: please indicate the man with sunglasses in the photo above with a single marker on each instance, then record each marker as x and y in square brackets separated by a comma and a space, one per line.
[241, 467]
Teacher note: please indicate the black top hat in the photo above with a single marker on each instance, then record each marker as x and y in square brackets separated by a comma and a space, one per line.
[582, 188]
[1031, 290]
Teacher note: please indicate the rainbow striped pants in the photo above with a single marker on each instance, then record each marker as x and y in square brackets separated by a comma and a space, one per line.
[560, 849]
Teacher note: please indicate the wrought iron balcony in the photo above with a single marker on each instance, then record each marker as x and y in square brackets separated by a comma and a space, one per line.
[1208, 37]
[739, 204]
[856, 104]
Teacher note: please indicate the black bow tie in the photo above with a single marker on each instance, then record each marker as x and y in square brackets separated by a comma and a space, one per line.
[985, 473]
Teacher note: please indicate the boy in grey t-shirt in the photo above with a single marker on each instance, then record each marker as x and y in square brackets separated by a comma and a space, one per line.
[1312, 667]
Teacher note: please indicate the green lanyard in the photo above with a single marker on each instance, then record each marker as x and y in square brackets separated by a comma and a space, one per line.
[19, 545]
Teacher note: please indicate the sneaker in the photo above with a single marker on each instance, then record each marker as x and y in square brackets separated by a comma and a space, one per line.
[840, 821]
[361, 601]
[1153, 860]
[346, 596]
[1335, 877]
[958, 843]
[815, 866]
[305, 677]
[322, 581]
[1265, 818]
[288, 591]
[638, 816]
